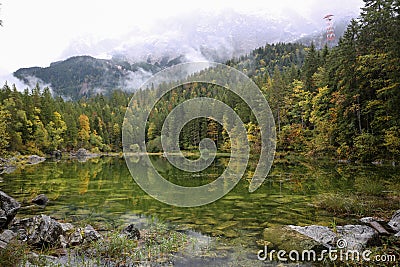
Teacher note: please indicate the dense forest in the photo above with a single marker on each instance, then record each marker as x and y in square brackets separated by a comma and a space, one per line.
[36, 123]
[342, 102]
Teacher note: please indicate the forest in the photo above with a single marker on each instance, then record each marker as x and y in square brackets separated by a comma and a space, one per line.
[341, 101]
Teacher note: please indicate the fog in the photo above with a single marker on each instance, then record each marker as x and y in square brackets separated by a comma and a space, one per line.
[36, 33]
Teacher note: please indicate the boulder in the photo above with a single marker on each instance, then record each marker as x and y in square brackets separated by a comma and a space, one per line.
[82, 153]
[7, 169]
[39, 231]
[43, 231]
[358, 236]
[90, 234]
[87, 234]
[8, 209]
[131, 232]
[40, 200]
[35, 159]
[321, 234]
[286, 238]
[394, 223]
[352, 237]
[56, 154]
[368, 220]
[5, 237]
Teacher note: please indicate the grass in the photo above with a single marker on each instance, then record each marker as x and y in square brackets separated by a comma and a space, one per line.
[363, 205]
[114, 248]
[157, 245]
[359, 205]
[13, 254]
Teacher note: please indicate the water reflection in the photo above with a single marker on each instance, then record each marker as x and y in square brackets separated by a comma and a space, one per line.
[103, 190]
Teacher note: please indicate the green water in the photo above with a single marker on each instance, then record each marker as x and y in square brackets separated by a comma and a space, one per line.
[103, 191]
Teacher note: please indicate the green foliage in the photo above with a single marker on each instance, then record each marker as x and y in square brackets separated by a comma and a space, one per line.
[392, 141]
[366, 146]
[36, 123]
[157, 245]
[4, 116]
[343, 101]
[56, 130]
[114, 247]
[345, 204]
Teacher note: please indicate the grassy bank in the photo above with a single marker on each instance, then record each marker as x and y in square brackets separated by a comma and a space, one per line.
[156, 246]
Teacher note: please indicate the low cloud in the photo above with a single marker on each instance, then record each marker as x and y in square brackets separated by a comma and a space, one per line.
[21, 86]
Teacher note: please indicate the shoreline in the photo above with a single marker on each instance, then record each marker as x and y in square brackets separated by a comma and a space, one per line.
[13, 162]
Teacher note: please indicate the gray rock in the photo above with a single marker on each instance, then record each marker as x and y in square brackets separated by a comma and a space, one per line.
[5, 237]
[367, 220]
[40, 231]
[56, 154]
[35, 159]
[8, 209]
[7, 169]
[91, 234]
[3, 245]
[76, 237]
[63, 242]
[394, 223]
[356, 237]
[66, 227]
[286, 238]
[87, 234]
[83, 155]
[40, 200]
[321, 234]
[3, 216]
[131, 232]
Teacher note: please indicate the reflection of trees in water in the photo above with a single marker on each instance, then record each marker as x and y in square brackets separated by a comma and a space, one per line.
[104, 187]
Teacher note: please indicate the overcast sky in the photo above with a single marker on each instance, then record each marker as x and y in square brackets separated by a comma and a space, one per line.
[36, 33]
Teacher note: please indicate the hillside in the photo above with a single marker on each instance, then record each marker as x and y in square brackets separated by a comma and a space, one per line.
[86, 76]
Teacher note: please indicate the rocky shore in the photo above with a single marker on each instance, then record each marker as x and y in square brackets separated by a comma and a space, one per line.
[72, 245]
[368, 233]
[9, 165]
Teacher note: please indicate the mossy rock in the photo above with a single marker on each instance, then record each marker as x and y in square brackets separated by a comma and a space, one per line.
[283, 237]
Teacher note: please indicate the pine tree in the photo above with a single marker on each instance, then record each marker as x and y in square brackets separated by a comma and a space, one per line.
[4, 140]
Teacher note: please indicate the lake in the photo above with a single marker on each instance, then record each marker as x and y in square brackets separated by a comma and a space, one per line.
[102, 191]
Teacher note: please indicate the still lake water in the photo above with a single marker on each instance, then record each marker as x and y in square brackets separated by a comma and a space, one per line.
[102, 191]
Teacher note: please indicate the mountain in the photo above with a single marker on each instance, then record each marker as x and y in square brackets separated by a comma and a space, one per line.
[134, 57]
[85, 75]
[217, 36]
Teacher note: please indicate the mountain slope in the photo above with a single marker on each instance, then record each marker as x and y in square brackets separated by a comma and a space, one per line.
[84, 75]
